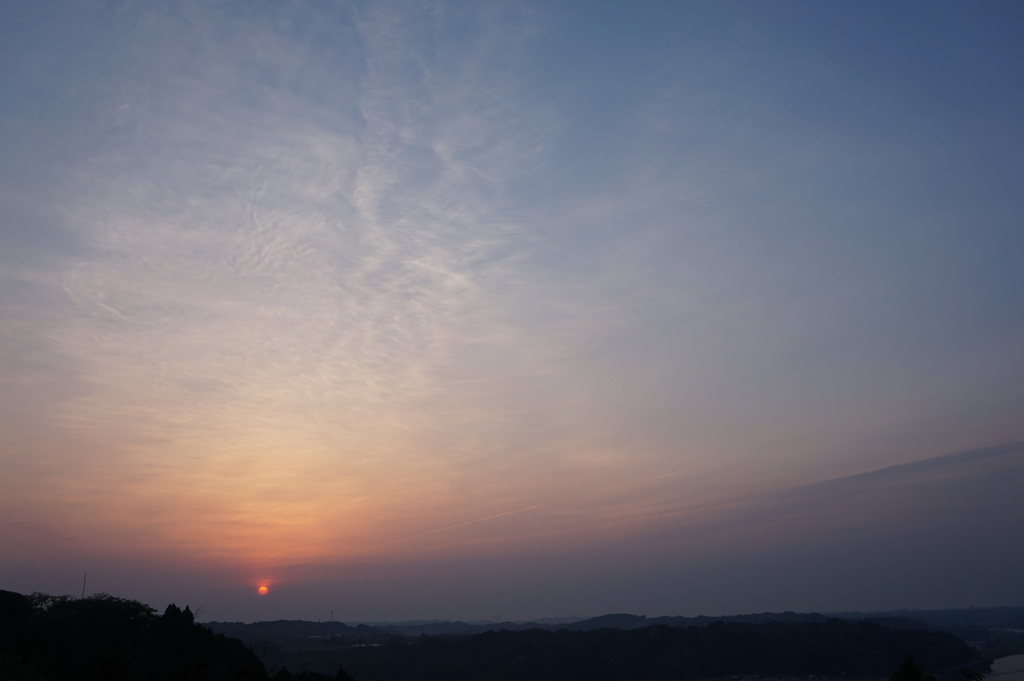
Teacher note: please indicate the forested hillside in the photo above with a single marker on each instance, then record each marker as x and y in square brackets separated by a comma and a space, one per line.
[613, 647]
[60, 638]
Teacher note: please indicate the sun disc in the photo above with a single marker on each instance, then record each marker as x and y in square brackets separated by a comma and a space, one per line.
[262, 591]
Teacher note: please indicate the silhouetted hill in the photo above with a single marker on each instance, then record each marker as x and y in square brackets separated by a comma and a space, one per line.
[624, 621]
[60, 638]
[47, 638]
[994, 632]
[992, 618]
[610, 621]
[292, 632]
[616, 621]
[616, 646]
[831, 648]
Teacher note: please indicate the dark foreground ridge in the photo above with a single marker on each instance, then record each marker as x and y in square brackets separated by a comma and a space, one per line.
[46, 638]
[105, 638]
[820, 647]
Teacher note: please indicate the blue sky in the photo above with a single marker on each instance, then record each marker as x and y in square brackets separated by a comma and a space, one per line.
[401, 288]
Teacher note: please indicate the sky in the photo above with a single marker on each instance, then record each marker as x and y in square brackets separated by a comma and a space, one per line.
[473, 310]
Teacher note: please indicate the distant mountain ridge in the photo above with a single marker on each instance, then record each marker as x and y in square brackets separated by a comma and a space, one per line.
[64, 638]
[1009, 617]
[370, 631]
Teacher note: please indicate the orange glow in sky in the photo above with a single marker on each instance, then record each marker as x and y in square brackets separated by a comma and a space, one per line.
[417, 329]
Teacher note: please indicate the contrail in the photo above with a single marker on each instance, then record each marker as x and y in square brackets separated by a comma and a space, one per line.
[437, 529]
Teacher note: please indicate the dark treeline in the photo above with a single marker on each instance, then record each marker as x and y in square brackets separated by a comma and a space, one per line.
[957, 622]
[105, 638]
[46, 638]
[996, 632]
[1001, 618]
[832, 648]
[612, 621]
[609, 647]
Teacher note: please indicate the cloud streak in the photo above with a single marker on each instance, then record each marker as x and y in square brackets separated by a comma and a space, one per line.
[277, 284]
[439, 529]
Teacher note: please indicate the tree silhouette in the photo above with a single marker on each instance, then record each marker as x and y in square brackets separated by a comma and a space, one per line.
[910, 671]
[965, 674]
[105, 638]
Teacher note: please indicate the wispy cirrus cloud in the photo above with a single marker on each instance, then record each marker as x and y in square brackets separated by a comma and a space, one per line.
[291, 281]
[261, 295]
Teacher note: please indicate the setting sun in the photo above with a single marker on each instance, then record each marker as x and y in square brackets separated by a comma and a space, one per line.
[262, 591]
